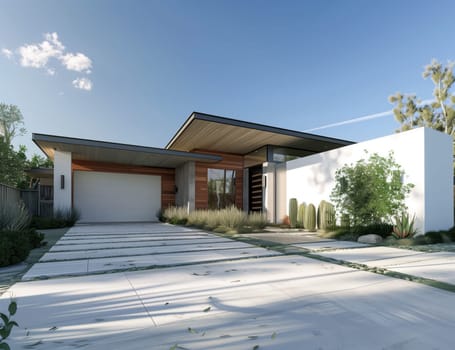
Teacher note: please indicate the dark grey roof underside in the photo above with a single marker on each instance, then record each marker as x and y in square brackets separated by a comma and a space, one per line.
[102, 151]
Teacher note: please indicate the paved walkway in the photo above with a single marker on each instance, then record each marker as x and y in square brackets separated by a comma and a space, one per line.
[438, 266]
[263, 302]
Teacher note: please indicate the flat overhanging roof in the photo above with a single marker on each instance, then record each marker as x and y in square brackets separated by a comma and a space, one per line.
[110, 152]
[214, 133]
[40, 172]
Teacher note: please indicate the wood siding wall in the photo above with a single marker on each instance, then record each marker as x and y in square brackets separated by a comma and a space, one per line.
[230, 161]
[167, 175]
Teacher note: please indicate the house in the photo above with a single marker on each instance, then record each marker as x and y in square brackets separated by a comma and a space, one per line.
[211, 162]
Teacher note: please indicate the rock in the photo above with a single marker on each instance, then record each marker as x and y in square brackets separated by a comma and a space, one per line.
[370, 239]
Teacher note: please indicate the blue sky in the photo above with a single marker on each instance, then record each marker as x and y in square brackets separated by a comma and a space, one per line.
[132, 71]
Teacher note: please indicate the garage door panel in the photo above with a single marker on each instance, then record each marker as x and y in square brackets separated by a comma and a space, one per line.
[102, 197]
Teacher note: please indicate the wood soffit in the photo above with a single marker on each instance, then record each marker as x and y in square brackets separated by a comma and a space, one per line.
[221, 134]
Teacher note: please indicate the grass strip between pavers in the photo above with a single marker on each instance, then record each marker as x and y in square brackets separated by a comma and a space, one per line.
[292, 250]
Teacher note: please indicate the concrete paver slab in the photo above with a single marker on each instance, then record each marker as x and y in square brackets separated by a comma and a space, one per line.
[103, 253]
[369, 254]
[121, 228]
[438, 266]
[153, 243]
[113, 239]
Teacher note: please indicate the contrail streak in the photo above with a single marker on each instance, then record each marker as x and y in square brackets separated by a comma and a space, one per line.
[364, 118]
[355, 120]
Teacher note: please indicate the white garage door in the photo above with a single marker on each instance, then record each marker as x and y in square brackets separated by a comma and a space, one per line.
[106, 197]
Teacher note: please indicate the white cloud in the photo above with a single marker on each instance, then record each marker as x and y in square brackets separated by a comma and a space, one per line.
[7, 53]
[50, 51]
[38, 55]
[83, 84]
[77, 62]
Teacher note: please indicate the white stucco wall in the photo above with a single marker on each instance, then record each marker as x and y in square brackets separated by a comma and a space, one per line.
[424, 154]
[62, 166]
[438, 181]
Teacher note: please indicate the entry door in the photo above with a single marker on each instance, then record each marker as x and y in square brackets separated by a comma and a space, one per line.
[255, 188]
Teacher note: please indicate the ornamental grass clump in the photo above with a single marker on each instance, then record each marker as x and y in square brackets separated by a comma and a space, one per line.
[176, 215]
[232, 218]
[221, 220]
[14, 217]
[257, 221]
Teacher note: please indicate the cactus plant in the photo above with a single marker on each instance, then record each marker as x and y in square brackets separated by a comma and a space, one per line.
[301, 215]
[319, 213]
[293, 212]
[326, 215]
[310, 218]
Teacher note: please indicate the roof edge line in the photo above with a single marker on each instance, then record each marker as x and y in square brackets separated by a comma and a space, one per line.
[117, 146]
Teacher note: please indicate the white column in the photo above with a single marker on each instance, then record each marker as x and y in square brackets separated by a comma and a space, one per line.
[62, 181]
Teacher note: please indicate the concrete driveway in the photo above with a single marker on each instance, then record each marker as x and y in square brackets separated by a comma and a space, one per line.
[207, 292]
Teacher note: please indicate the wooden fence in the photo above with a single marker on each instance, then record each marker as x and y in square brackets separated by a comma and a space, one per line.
[38, 204]
[9, 195]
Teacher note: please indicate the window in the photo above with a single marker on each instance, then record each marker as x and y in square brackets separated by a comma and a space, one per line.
[221, 188]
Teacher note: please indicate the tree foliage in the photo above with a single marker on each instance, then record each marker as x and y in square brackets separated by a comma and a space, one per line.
[38, 161]
[370, 191]
[12, 164]
[11, 122]
[439, 114]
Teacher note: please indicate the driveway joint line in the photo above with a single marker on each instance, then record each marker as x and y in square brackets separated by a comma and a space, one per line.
[140, 299]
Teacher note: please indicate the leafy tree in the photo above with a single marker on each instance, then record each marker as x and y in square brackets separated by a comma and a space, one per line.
[439, 114]
[11, 122]
[38, 161]
[12, 163]
[370, 191]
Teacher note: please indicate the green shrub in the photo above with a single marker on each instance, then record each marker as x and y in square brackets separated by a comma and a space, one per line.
[68, 216]
[370, 190]
[434, 237]
[35, 238]
[14, 247]
[62, 218]
[420, 240]
[381, 229]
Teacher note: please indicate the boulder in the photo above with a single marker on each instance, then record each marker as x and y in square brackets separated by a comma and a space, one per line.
[370, 239]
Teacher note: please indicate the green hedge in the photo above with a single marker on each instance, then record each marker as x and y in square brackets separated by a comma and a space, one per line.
[62, 218]
[16, 245]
